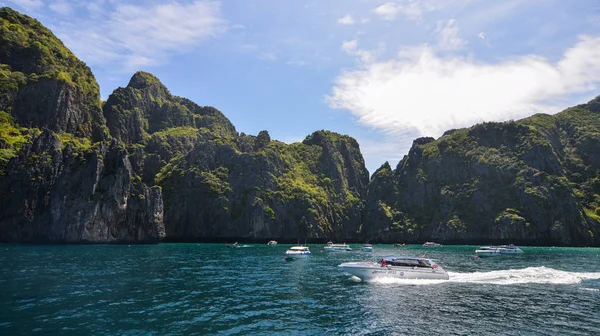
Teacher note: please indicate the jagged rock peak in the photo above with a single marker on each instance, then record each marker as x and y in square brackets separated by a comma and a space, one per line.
[593, 105]
[262, 140]
[141, 80]
[384, 167]
[320, 137]
[423, 141]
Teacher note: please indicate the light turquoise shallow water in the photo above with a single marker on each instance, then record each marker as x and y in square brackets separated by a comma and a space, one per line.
[208, 289]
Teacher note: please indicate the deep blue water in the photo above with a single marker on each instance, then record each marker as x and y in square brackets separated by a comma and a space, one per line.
[174, 289]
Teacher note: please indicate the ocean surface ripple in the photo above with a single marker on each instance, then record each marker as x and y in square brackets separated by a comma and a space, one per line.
[180, 289]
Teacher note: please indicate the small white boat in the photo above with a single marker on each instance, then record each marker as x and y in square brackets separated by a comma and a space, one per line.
[272, 243]
[397, 267]
[431, 244]
[331, 247]
[234, 245]
[509, 249]
[296, 252]
[367, 248]
[488, 251]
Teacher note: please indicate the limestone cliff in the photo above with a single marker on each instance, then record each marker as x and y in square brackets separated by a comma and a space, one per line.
[534, 181]
[62, 180]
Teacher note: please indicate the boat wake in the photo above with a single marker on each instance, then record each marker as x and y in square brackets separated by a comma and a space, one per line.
[538, 275]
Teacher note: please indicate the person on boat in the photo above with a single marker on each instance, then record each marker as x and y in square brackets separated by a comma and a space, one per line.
[382, 262]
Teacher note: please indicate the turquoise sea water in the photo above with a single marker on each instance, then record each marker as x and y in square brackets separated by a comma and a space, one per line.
[173, 289]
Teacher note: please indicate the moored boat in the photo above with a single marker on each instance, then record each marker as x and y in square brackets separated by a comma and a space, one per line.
[272, 243]
[367, 248]
[397, 267]
[234, 245]
[431, 244]
[331, 247]
[296, 252]
[487, 251]
[509, 249]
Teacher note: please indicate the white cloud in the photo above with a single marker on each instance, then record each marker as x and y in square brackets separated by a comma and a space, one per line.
[388, 11]
[424, 93]
[130, 36]
[411, 9]
[29, 5]
[346, 20]
[448, 38]
[481, 35]
[61, 7]
[351, 48]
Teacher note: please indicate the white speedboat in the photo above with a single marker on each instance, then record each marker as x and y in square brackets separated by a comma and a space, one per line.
[397, 267]
[509, 249]
[296, 252]
[367, 248]
[331, 247]
[272, 243]
[431, 244]
[487, 251]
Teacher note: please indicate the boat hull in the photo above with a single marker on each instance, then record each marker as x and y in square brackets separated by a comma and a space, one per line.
[372, 271]
[485, 254]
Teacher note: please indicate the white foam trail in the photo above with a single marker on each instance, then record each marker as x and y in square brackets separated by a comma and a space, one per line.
[541, 275]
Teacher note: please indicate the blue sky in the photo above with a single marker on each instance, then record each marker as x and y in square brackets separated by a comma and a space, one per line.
[384, 72]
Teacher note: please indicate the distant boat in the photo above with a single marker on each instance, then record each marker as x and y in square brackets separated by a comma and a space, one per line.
[234, 245]
[509, 249]
[272, 243]
[487, 251]
[492, 251]
[398, 244]
[331, 247]
[367, 248]
[431, 244]
[296, 252]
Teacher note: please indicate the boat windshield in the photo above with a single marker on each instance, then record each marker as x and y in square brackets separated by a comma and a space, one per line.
[407, 262]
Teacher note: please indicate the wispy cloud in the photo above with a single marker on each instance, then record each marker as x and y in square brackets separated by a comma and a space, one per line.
[29, 5]
[411, 9]
[448, 38]
[267, 56]
[346, 20]
[61, 7]
[129, 36]
[422, 92]
[351, 48]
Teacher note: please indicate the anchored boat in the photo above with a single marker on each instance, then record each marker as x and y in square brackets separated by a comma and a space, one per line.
[331, 247]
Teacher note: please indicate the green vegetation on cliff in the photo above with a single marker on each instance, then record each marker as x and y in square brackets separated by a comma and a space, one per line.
[534, 181]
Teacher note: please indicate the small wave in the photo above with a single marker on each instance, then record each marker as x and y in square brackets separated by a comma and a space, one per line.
[542, 275]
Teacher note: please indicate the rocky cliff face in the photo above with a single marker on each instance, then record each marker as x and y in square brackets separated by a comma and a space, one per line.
[274, 190]
[534, 181]
[43, 83]
[62, 180]
[55, 193]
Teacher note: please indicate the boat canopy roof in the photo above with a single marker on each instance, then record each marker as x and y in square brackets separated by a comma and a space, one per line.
[299, 248]
[405, 258]
[409, 262]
